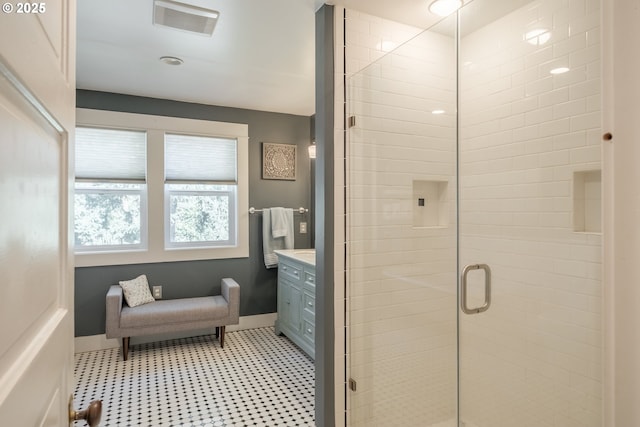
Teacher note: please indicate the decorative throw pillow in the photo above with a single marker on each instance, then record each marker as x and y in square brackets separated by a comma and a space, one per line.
[136, 291]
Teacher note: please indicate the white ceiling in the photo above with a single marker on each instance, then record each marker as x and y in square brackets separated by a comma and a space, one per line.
[260, 57]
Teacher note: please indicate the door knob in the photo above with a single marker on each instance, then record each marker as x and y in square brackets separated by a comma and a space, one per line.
[91, 415]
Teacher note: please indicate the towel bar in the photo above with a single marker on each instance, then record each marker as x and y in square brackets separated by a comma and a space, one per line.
[300, 210]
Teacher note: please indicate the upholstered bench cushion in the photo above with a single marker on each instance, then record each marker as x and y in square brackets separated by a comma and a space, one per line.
[174, 311]
[172, 315]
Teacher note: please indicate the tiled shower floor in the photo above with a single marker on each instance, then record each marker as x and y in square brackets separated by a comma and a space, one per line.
[258, 380]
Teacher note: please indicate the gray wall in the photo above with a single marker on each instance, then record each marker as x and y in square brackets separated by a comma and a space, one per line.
[324, 205]
[196, 278]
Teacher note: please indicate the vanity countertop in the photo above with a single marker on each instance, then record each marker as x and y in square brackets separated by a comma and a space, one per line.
[306, 256]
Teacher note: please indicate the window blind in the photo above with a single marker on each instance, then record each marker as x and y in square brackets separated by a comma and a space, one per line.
[200, 159]
[110, 154]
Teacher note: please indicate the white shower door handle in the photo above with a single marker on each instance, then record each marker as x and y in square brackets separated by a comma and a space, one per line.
[464, 291]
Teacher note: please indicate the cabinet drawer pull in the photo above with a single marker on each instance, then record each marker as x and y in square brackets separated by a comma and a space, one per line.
[309, 331]
[310, 304]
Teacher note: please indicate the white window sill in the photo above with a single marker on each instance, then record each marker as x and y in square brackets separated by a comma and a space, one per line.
[146, 256]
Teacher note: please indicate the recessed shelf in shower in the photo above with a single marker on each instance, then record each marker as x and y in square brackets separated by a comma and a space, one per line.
[430, 203]
[587, 201]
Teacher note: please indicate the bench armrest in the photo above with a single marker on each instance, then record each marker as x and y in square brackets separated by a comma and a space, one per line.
[114, 308]
[230, 291]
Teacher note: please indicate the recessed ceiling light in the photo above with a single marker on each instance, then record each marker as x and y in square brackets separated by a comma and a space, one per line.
[445, 7]
[559, 70]
[438, 112]
[537, 37]
[171, 60]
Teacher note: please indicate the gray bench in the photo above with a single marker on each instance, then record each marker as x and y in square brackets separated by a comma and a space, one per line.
[173, 315]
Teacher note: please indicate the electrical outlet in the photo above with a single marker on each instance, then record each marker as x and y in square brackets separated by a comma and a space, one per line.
[303, 227]
[157, 292]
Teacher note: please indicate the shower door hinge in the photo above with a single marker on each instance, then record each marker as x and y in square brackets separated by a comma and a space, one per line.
[352, 121]
[352, 384]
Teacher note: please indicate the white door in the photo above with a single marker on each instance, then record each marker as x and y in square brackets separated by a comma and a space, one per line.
[37, 120]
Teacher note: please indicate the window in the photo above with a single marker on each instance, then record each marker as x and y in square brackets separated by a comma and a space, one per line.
[108, 216]
[159, 189]
[110, 189]
[200, 215]
[200, 191]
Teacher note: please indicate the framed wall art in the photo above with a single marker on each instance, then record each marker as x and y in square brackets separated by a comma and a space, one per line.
[278, 161]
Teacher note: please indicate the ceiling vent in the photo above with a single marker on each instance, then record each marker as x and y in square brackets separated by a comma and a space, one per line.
[184, 17]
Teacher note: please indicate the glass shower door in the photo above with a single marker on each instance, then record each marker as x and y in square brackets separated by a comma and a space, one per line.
[529, 183]
[401, 204]
[475, 155]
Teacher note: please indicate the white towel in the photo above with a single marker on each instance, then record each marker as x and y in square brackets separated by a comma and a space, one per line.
[271, 243]
[280, 222]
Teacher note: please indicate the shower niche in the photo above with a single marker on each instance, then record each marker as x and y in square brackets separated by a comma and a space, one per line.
[430, 203]
[587, 201]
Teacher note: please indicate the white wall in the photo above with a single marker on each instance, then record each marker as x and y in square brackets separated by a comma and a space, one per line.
[622, 251]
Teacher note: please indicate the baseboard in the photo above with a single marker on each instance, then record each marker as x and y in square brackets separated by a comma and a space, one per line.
[94, 342]
[253, 322]
[100, 342]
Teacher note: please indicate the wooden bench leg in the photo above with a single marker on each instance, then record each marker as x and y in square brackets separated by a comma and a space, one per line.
[125, 348]
[221, 336]
[217, 332]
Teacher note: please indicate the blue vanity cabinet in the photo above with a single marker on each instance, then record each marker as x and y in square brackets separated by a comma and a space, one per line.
[296, 301]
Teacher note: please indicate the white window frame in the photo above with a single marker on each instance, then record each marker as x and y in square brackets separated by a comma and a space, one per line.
[156, 127]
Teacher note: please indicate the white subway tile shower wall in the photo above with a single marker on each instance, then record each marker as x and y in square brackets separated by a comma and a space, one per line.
[534, 359]
[402, 279]
[369, 38]
[340, 314]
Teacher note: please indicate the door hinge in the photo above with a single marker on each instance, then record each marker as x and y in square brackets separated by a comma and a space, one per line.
[352, 121]
[352, 384]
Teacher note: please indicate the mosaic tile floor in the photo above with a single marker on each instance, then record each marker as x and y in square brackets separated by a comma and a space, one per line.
[258, 380]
